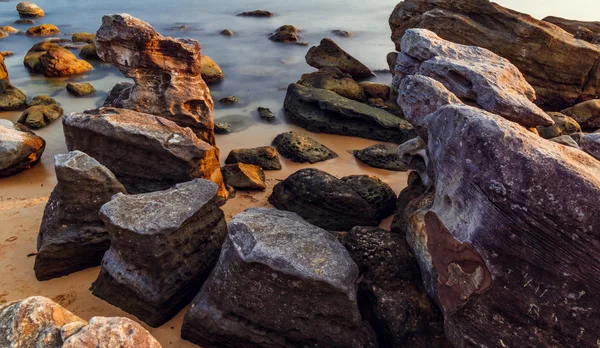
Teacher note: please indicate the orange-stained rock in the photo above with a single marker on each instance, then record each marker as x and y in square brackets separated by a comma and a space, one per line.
[11, 98]
[20, 148]
[43, 30]
[52, 60]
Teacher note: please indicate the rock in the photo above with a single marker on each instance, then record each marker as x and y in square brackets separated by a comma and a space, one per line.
[307, 282]
[587, 31]
[52, 60]
[89, 52]
[28, 9]
[3, 34]
[563, 125]
[166, 72]
[5, 54]
[577, 137]
[25, 21]
[83, 37]
[80, 89]
[222, 128]
[414, 189]
[119, 92]
[227, 32]
[43, 30]
[300, 148]
[378, 194]
[323, 200]
[565, 140]
[474, 74]
[11, 98]
[329, 54]
[342, 33]
[244, 176]
[391, 294]
[211, 72]
[376, 90]
[562, 69]
[20, 148]
[40, 116]
[9, 30]
[286, 34]
[72, 235]
[591, 144]
[110, 332]
[334, 80]
[384, 156]
[266, 114]
[319, 110]
[163, 247]
[122, 140]
[229, 100]
[587, 114]
[41, 100]
[265, 157]
[256, 13]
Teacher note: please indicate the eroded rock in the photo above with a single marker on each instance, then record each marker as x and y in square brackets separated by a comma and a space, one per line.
[53, 60]
[300, 148]
[265, 157]
[43, 30]
[384, 156]
[378, 194]
[40, 116]
[20, 148]
[334, 80]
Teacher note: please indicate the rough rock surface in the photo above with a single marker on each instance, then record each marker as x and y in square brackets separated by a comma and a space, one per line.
[163, 247]
[591, 144]
[11, 98]
[102, 332]
[320, 110]
[244, 176]
[562, 69]
[40, 116]
[266, 114]
[211, 71]
[376, 90]
[383, 156]
[329, 54]
[166, 71]
[413, 190]
[20, 148]
[29, 9]
[307, 292]
[43, 30]
[124, 140]
[72, 235]
[265, 157]
[378, 194]
[9, 30]
[563, 125]
[52, 60]
[334, 80]
[587, 31]
[80, 89]
[587, 114]
[41, 100]
[473, 74]
[391, 294]
[323, 200]
[89, 52]
[299, 147]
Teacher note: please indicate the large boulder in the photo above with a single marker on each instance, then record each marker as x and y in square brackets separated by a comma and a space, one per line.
[562, 69]
[72, 236]
[587, 31]
[29, 9]
[306, 295]
[265, 157]
[53, 60]
[163, 247]
[320, 110]
[329, 55]
[300, 148]
[146, 153]
[166, 71]
[11, 98]
[20, 148]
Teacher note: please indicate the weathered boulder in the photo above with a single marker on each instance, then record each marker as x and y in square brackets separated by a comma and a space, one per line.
[80, 89]
[380, 196]
[474, 74]
[307, 292]
[11, 98]
[83, 37]
[124, 140]
[28, 9]
[52, 60]
[384, 156]
[562, 69]
[591, 144]
[299, 147]
[587, 31]
[244, 176]
[72, 236]
[256, 13]
[323, 200]
[102, 332]
[163, 247]
[43, 30]
[329, 55]
[265, 157]
[20, 148]
[166, 71]
[40, 116]
[563, 125]
[587, 114]
[89, 52]
[391, 294]
[334, 80]
[320, 110]
[211, 71]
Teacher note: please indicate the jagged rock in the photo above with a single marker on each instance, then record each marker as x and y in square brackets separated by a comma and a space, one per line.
[563, 125]
[122, 140]
[471, 73]
[334, 80]
[285, 33]
[52, 60]
[265, 157]
[320, 110]
[11, 98]
[20, 148]
[565, 140]
[256, 13]
[72, 235]
[83, 37]
[329, 54]
[28, 9]
[376, 90]
[104, 332]
[587, 31]
[89, 52]
[43, 30]
[384, 156]
[244, 176]
[80, 89]
[211, 72]
[323, 200]
[307, 292]
[562, 69]
[166, 71]
[163, 247]
[300, 148]
[591, 144]
[378, 194]
[40, 116]
[587, 114]
[41, 100]
[266, 114]
[391, 294]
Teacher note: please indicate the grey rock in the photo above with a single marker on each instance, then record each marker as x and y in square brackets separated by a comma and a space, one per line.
[20, 148]
[413, 190]
[591, 144]
[329, 54]
[265, 157]
[300, 148]
[383, 156]
[566, 140]
[414, 155]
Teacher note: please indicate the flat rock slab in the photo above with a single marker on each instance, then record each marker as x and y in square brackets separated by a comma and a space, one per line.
[20, 148]
[383, 156]
[299, 147]
[307, 282]
[163, 247]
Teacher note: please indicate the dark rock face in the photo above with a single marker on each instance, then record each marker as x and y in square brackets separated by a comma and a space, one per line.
[300, 148]
[320, 110]
[587, 31]
[323, 200]
[562, 69]
[378, 194]
[334, 80]
[391, 294]
[163, 247]
[307, 292]
[124, 140]
[265, 157]
[20, 148]
[329, 55]
[266, 114]
[166, 71]
[72, 235]
[244, 176]
[384, 156]
[11, 98]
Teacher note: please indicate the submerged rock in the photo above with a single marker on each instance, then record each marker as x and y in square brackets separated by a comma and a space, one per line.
[587, 114]
[40, 116]
[29, 9]
[80, 89]
[25, 21]
[11, 98]
[256, 13]
[300, 148]
[89, 52]
[286, 34]
[232, 99]
[307, 282]
[227, 32]
[83, 37]
[72, 236]
[163, 247]
[222, 128]
[9, 30]
[244, 176]
[334, 80]
[342, 33]
[329, 54]
[20, 148]
[384, 156]
[265, 157]
[265, 114]
[52, 60]
[43, 30]
[211, 72]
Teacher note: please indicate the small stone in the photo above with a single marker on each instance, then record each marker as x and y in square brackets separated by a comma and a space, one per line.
[244, 176]
[9, 30]
[28, 9]
[25, 21]
[40, 116]
[222, 128]
[256, 13]
[563, 125]
[286, 34]
[265, 157]
[6, 54]
[300, 148]
[341, 33]
[211, 72]
[227, 32]
[228, 100]
[43, 30]
[266, 114]
[384, 156]
[565, 140]
[80, 89]
[83, 37]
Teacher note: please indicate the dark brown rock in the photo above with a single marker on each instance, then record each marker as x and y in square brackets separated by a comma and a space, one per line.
[380, 196]
[20, 148]
[587, 31]
[410, 193]
[266, 114]
[563, 125]
[83, 37]
[300, 148]
[384, 156]
[244, 176]
[329, 54]
[285, 34]
[89, 52]
[11, 98]
[256, 13]
[587, 114]
[265, 157]
[80, 89]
